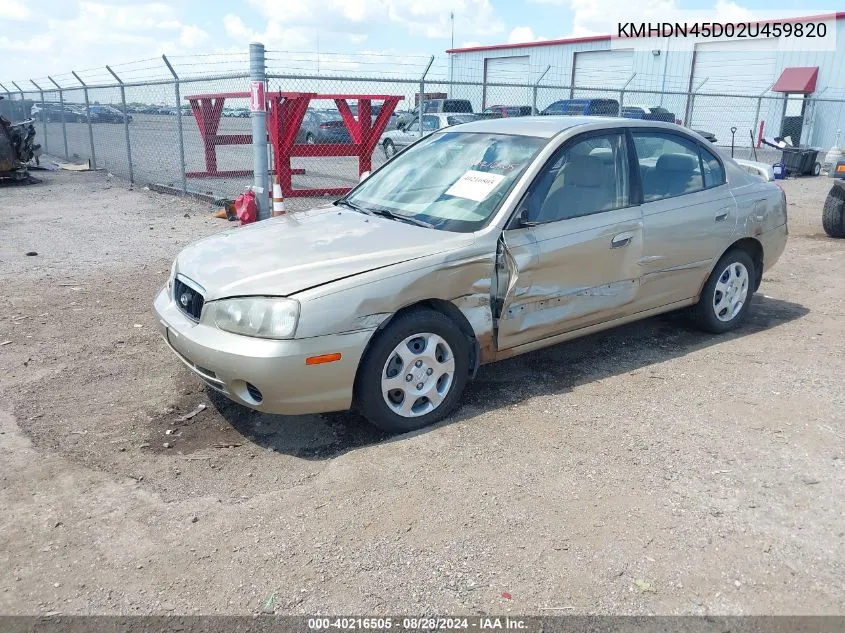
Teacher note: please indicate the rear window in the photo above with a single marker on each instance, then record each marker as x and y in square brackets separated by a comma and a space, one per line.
[457, 105]
[604, 107]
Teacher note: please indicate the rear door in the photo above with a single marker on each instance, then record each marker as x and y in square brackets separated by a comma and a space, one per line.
[576, 260]
[689, 214]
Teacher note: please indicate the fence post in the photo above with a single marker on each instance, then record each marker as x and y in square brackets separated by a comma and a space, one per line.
[178, 125]
[421, 105]
[23, 108]
[534, 90]
[62, 106]
[622, 92]
[691, 103]
[88, 116]
[759, 106]
[43, 114]
[258, 118]
[126, 123]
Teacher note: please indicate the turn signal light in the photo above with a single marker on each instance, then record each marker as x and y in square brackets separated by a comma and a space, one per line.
[322, 358]
[840, 169]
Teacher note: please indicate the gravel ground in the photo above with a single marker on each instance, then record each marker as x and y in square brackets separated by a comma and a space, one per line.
[650, 469]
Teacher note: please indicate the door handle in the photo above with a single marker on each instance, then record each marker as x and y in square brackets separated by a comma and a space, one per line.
[622, 240]
[722, 216]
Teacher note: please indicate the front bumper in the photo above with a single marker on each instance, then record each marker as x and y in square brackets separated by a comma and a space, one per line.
[229, 362]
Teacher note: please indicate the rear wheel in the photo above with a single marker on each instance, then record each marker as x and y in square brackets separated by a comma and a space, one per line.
[389, 148]
[726, 296]
[414, 373]
[833, 215]
[309, 139]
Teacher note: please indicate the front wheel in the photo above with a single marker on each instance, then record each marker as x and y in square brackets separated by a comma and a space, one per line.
[727, 294]
[309, 139]
[414, 373]
[389, 149]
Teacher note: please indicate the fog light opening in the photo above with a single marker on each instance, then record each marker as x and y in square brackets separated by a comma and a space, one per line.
[254, 392]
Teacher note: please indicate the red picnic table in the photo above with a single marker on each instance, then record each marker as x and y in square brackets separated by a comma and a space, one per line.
[285, 112]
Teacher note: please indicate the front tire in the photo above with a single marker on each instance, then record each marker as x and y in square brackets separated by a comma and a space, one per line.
[309, 139]
[726, 296]
[389, 149]
[833, 215]
[414, 373]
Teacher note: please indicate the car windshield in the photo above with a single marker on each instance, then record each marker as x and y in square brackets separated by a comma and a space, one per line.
[451, 180]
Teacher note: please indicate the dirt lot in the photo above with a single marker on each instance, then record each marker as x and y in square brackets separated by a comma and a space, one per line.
[651, 469]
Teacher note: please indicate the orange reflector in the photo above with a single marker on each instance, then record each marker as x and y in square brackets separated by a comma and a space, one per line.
[322, 358]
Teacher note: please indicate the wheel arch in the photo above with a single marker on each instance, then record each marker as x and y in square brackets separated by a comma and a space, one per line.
[754, 248]
[444, 307]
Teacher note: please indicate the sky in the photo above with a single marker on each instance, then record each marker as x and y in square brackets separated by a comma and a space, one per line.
[41, 37]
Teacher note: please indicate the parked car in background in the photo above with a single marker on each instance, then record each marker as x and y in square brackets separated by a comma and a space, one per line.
[393, 141]
[321, 127]
[481, 242]
[435, 106]
[504, 111]
[108, 114]
[649, 113]
[583, 107]
[50, 112]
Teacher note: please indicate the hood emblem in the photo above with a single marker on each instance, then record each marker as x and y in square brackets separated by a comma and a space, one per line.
[185, 299]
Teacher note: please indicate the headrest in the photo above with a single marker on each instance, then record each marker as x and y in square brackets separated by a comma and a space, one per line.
[583, 171]
[677, 162]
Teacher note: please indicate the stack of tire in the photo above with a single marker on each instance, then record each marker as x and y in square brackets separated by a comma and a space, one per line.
[833, 215]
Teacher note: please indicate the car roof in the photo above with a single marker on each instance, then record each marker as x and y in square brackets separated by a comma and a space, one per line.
[549, 126]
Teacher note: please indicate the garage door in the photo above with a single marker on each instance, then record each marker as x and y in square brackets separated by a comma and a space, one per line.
[746, 67]
[507, 70]
[602, 70]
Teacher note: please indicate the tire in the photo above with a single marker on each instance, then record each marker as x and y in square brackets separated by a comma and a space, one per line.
[429, 338]
[817, 169]
[309, 139]
[389, 149]
[732, 281]
[833, 215]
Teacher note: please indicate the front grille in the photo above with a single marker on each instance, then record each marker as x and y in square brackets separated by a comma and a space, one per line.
[189, 300]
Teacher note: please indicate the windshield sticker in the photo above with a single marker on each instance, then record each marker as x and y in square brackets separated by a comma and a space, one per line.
[475, 185]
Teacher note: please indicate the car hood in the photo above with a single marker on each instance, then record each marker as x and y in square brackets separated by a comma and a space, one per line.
[285, 255]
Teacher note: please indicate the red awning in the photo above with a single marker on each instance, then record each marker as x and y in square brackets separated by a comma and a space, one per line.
[799, 79]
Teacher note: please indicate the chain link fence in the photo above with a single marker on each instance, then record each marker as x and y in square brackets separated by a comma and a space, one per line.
[184, 123]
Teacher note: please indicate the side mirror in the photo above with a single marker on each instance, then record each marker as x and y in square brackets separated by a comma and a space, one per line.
[521, 219]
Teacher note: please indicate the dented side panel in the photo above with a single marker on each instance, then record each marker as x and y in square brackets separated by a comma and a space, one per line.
[569, 274]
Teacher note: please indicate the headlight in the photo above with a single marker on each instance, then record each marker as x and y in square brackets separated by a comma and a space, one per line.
[264, 317]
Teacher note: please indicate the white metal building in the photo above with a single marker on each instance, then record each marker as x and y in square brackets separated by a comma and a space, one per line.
[738, 82]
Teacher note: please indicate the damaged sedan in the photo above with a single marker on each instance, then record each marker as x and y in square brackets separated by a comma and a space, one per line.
[477, 243]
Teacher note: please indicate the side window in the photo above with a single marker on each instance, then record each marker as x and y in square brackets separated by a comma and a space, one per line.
[555, 108]
[430, 123]
[414, 127]
[669, 165]
[714, 173]
[587, 176]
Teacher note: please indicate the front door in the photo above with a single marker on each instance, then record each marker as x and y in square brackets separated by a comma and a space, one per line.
[571, 260]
